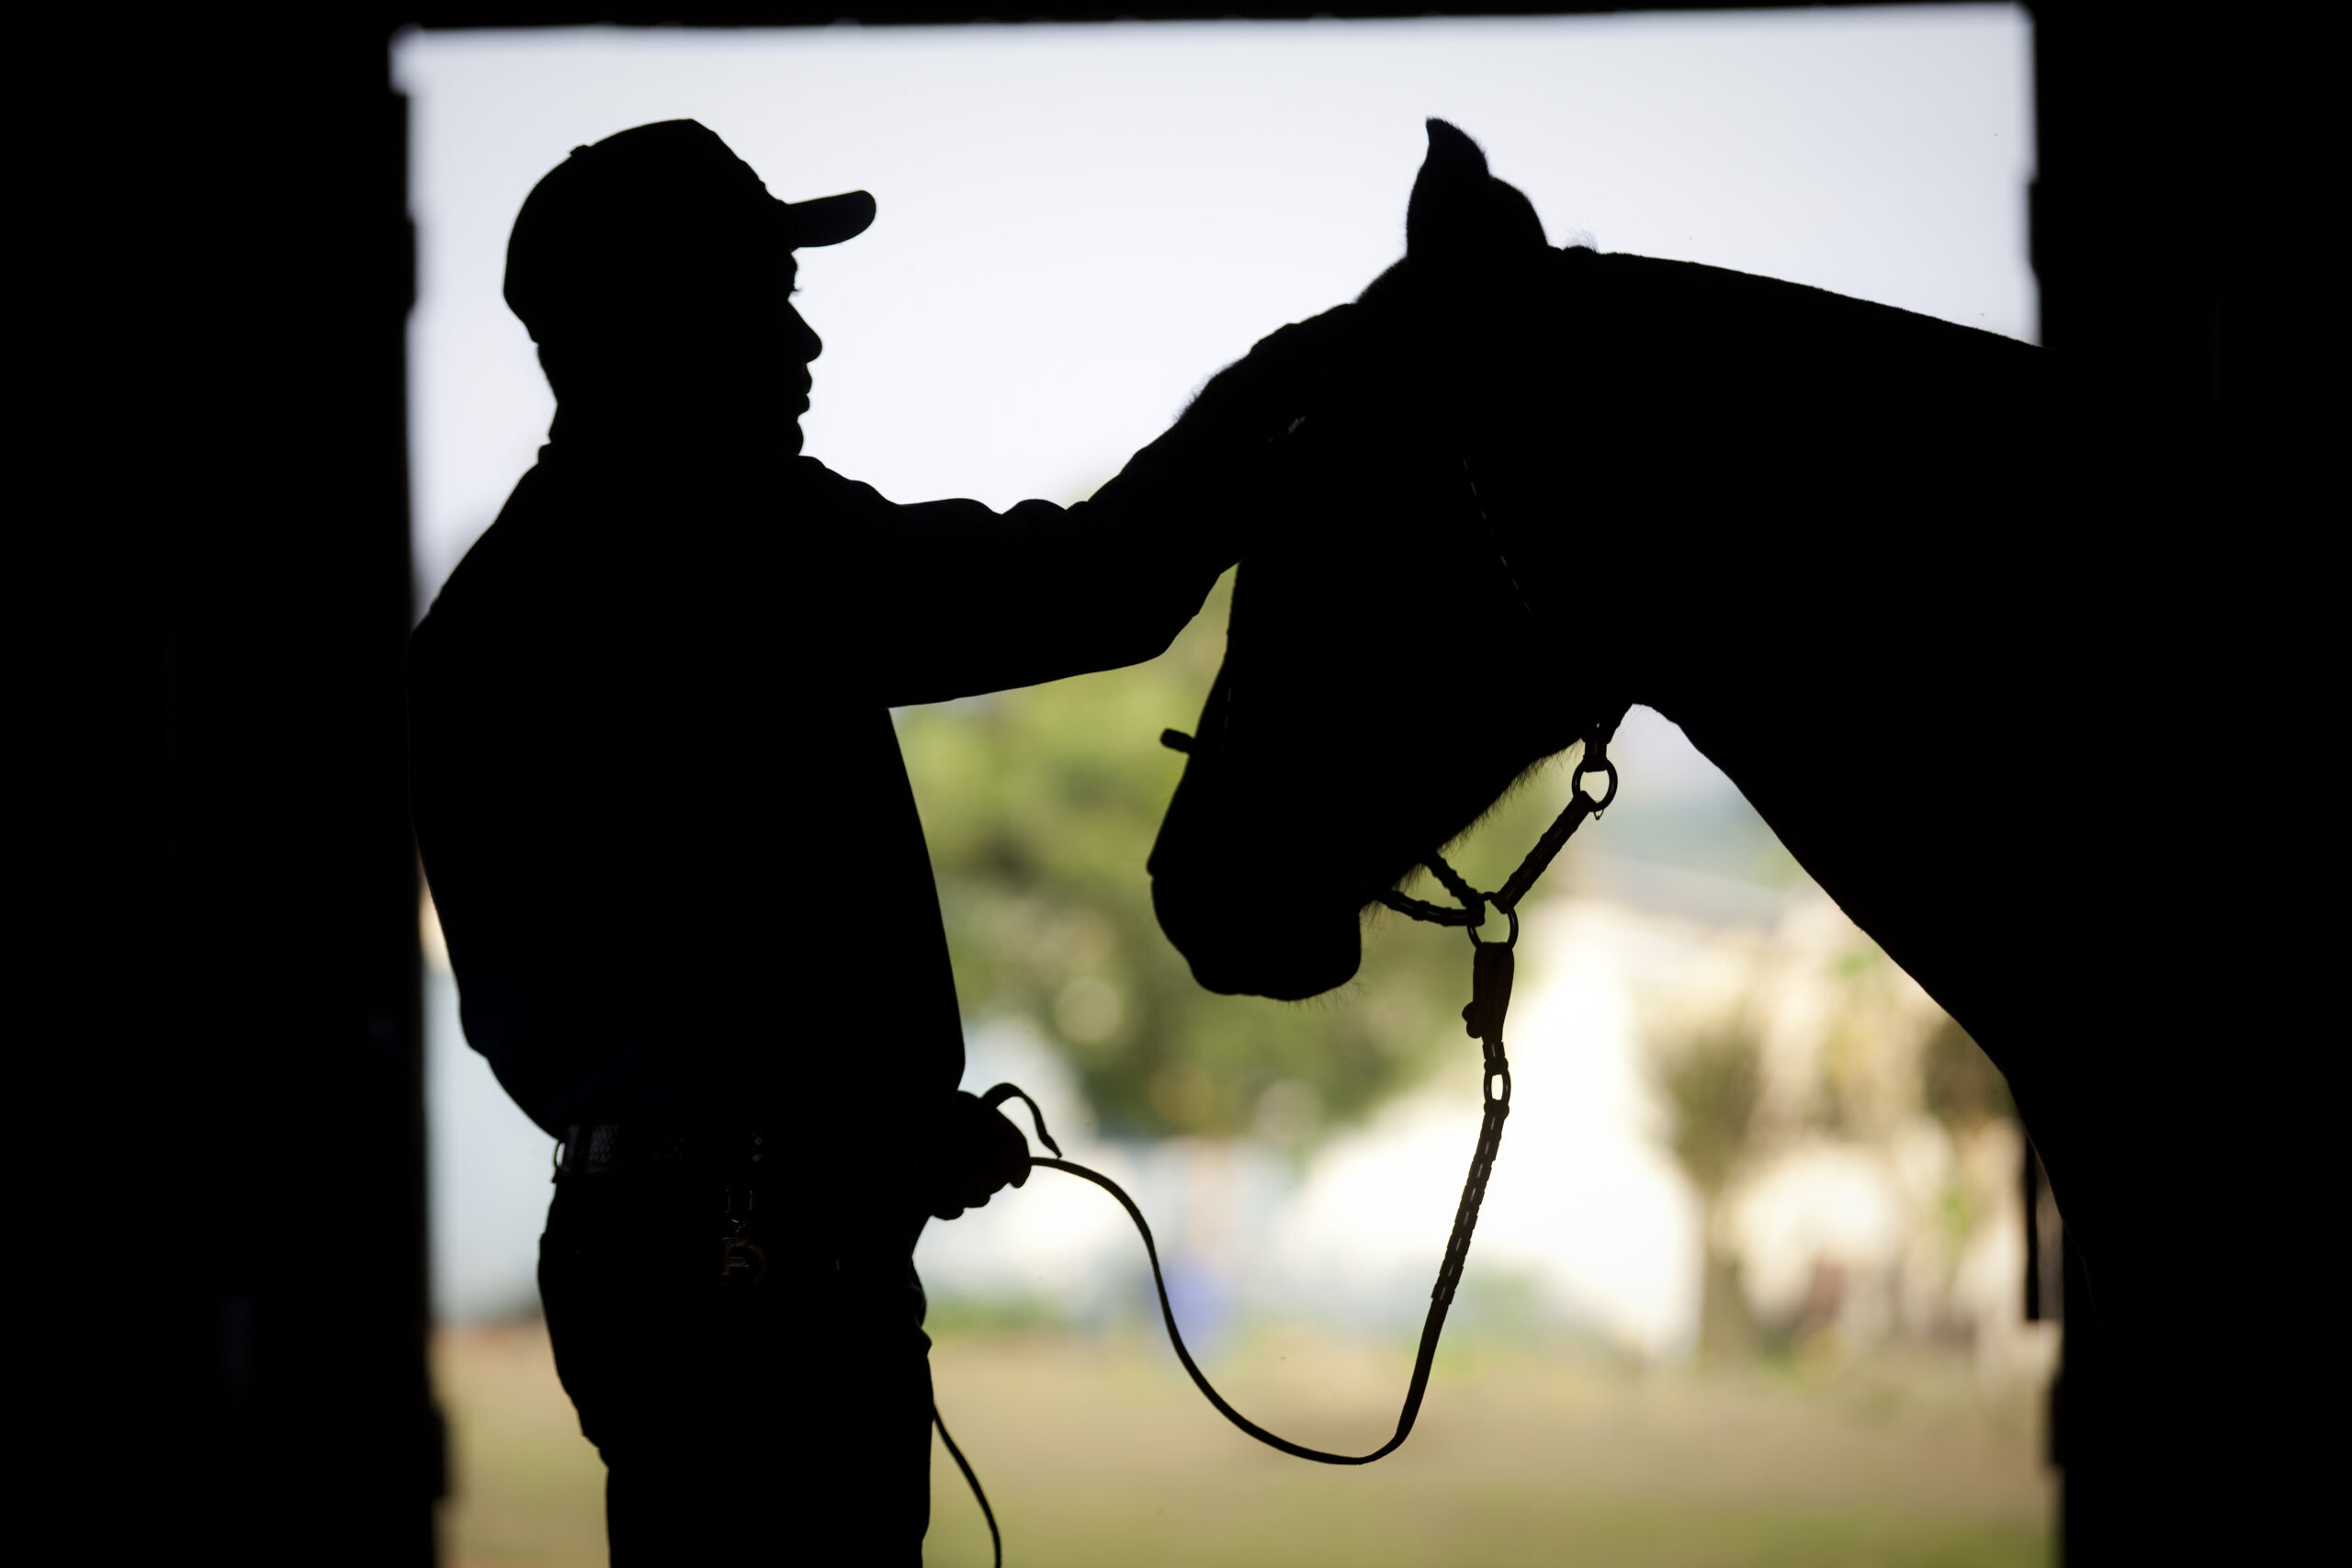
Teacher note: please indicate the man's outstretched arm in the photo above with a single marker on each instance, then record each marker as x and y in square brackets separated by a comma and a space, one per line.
[957, 599]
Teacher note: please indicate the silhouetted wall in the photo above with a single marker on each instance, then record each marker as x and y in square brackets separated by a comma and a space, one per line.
[287, 1362]
[272, 283]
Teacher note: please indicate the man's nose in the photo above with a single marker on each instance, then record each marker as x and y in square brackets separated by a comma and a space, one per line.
[805, 344]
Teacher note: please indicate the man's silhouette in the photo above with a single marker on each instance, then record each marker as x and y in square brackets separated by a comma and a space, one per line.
[673, 846]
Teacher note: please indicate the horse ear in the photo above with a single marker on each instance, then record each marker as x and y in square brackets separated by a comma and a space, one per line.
[1459, 212]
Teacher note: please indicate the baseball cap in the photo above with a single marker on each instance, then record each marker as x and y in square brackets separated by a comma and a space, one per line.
[649, 212]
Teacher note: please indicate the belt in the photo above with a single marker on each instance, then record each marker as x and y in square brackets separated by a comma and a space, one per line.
[596, 1148]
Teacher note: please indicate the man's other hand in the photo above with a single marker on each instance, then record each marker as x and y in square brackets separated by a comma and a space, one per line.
[973, 1152]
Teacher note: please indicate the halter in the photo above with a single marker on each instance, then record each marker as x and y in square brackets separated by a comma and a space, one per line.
[1491, 969]
[1490, 982]
[1538, 859]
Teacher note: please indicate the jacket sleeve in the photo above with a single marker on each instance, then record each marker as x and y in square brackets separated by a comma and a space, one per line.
[948, 598]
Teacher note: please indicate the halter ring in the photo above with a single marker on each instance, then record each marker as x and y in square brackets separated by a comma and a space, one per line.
[1511, 914]
[1575, 781]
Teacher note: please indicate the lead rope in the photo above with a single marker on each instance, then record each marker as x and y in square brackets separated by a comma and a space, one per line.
[1490, 981]
[996, 1540]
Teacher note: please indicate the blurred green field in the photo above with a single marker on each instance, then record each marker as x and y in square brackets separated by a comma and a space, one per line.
[1095, 1450]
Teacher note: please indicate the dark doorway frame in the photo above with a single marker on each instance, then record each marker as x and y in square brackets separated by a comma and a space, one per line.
[289, 1369]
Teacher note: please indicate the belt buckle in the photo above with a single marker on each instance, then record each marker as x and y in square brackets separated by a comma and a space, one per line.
[741, 1257]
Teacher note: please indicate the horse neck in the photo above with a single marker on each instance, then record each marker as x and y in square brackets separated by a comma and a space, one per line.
[1767, 494]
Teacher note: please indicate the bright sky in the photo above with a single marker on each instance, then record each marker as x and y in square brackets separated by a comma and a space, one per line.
[1079, 224]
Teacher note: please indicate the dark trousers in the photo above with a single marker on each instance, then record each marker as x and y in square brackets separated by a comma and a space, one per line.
[779, 1419]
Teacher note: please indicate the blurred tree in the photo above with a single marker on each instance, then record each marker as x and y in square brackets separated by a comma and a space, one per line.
[1041, 806]
[1868, 1082]
[1711, 1080]
[1962, 1088]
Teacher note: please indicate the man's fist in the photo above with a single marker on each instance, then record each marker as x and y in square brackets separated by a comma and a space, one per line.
[970, 1152]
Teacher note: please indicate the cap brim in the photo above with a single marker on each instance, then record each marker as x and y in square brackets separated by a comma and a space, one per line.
[826, 220]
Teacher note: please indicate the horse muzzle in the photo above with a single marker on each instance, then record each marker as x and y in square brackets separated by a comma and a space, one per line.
[1259, 942]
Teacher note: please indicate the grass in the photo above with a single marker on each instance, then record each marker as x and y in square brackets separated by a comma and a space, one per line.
[1095, 1450]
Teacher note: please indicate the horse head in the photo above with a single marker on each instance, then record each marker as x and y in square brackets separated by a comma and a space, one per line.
[1386, 675]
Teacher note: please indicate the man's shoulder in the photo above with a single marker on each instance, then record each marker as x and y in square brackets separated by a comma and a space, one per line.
[493, 580]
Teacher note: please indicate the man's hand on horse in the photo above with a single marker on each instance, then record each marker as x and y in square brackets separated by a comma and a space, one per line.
[973, 1151]
[1279, 378]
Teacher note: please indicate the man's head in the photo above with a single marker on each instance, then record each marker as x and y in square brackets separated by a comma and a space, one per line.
[656, 264]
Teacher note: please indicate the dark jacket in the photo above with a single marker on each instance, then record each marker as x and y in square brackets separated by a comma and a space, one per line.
[655, 780]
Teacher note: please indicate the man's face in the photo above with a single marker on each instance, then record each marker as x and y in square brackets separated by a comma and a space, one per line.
[723, 328]
[786, 344]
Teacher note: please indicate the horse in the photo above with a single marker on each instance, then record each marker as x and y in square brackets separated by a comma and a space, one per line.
[1903, 581]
